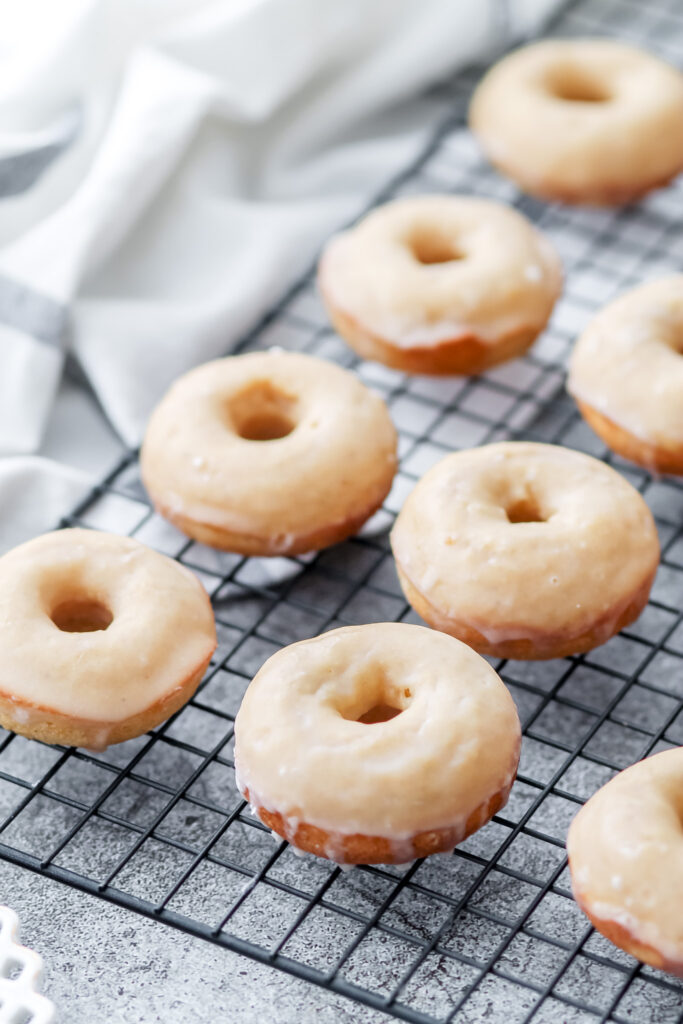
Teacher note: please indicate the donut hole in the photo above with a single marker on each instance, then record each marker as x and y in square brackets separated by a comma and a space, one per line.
[262, 412]
[374, 699]
[81, 615]
[525, 510]
[576, 85]
[677, 338]
[433, 245]
[379, 713]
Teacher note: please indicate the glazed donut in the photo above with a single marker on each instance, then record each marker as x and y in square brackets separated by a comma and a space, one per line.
[625, 851]
[526, 550]
[376, 744]
[270, 453]
[101, 638]
[626, 375]
[582, 120]
[440, 284]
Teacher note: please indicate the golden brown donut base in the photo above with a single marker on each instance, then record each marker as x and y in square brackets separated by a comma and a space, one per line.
[627, 941]
[464, 354]
[653, 457]
[597, 194]
[362, 849]
[543, 646]
[53, 727]
[251, 544]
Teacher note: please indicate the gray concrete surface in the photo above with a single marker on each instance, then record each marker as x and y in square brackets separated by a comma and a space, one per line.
[103, 963]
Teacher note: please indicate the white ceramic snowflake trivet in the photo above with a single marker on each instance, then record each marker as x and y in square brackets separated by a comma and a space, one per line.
[20, 972]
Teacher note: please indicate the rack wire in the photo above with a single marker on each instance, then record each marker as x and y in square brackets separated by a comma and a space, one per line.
[488, 932]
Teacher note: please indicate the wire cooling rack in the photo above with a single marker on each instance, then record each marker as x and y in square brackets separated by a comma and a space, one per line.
[489, 932]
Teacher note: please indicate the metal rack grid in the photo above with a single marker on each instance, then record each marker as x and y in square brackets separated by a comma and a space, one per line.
[489, 932]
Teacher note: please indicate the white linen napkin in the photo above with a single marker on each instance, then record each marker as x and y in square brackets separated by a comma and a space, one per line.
[168, 168]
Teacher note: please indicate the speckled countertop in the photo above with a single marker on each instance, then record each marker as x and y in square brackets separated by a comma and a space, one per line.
[103, 963]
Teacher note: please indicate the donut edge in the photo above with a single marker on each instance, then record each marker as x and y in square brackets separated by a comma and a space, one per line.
[603, 194]
[254, 545]
[54, 727]
[626, 939]
[551, 645]
[357, 848]
[465, 354]
[653, 457]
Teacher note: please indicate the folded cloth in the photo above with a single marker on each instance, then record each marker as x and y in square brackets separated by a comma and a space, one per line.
[169, 168]
[29, 483]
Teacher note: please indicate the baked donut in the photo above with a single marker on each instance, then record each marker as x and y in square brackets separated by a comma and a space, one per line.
[625, 851]
[101, 638]
[582, 120]
[440, 284]
[376, 744]
[270, 453]
[626, 375]
[526, 550]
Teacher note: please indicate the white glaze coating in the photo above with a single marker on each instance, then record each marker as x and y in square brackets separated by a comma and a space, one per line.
[582, 119]
[628, 363]
[372, 274]
[522, 580]
[337, 462]
[162, 628]
[302, 752]
[625, 851]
